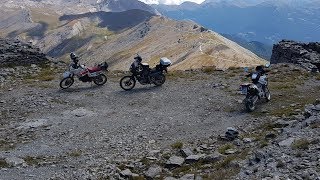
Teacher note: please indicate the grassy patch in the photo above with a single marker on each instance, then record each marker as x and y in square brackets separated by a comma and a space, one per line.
[209, 69]
[225, 162]
[33, 161]
[6, 145]
[222, 149]
[222, 174]
[89, 94]
[301, 144]
[46, 74]
[3, 164]
[182, 170]
[280, 164]
[122, 166]
[138, 178]
[145, 161]
[75, 153]
[177, 145]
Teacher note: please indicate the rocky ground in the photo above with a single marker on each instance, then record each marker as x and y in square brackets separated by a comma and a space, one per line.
[168, 132]
[14, 52]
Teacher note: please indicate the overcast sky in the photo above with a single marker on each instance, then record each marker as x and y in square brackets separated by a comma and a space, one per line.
[169, 1]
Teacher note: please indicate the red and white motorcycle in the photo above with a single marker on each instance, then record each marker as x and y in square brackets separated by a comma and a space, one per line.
[85, 74]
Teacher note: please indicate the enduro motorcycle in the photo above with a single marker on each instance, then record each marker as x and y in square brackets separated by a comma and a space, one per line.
[145, 75]
[256, 90]
[85, 74]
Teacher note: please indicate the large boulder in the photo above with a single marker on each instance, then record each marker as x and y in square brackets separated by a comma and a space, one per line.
[306, 55]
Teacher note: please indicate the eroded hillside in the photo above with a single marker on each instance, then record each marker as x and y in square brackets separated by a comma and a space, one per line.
[116, 37]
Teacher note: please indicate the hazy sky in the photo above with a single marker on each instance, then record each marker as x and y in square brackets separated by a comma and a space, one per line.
[169, 1]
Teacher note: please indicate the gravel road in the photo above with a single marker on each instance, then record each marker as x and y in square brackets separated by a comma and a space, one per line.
[107, 124]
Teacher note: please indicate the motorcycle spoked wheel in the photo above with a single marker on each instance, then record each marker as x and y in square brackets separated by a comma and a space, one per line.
[250, 105]
[159, 80]
[65, 83]
[100, 80]
[127, 83]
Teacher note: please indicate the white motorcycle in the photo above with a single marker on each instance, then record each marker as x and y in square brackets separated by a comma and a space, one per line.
[256, 90]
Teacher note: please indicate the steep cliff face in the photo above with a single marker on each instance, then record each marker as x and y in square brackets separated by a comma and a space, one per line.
[306, 55]
[15, 52]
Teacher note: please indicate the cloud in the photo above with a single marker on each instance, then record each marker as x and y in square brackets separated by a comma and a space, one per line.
[169, 1]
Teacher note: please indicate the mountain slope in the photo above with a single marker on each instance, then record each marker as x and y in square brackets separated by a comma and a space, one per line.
[182, 42]
[262, 50]
[117, 36]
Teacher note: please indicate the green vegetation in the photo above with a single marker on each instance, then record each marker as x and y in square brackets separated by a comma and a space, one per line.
[209, 69]
[138, 178]
[75, 153]
[222, 174]
[3, 164]
[222, 149]
[34, 161]
[177, 145]
[6, 145]
[46, 74]
[280, 164]
[225, 162]
[301, 144]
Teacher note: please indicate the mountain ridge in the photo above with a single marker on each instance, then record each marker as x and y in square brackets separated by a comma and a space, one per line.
[96, 37]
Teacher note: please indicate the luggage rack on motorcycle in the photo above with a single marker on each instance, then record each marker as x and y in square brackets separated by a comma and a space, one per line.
[244, 88]
[165, 61]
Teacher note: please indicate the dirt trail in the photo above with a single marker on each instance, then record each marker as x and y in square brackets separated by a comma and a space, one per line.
[109, 122]
[89, 127]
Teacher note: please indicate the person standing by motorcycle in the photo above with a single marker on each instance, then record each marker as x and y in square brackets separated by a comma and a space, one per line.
[260, 71]
[75, 60]
[139, 68]
[136, 64]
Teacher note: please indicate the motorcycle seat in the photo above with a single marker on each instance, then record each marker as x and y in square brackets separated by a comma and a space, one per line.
[93, 69]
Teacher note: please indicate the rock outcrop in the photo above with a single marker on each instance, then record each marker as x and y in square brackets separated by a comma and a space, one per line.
[15, 52]
[306, 55]
[293, 154]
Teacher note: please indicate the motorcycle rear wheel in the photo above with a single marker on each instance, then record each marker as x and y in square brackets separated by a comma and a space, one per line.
[268, 95]
[250, 105]
[127, 83]
[65, 83]
[100, 80]
[159, 80]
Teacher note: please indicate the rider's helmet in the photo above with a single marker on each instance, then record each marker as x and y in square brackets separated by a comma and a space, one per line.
[259, 68]
[138, 58]
[73, 56]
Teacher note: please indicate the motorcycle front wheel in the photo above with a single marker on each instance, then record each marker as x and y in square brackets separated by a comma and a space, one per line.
[159, 80]
[100, 80]
[250, 104]
[127, 83]
[65, 83]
